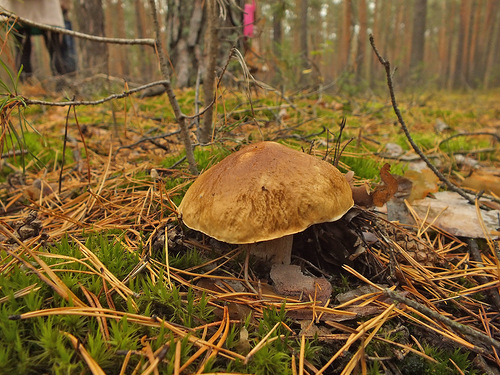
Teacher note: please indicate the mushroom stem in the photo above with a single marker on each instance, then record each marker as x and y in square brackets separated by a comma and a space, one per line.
[277, 251]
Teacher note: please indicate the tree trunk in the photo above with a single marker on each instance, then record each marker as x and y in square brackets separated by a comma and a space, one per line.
[459, 80]
[140, 19]
[451, 25]
[121, 32]
[399, 31]
[303, 40]
[277, 41]
[486, 33]
[278, 12]
[377, 37]
[362, 38]
[211, 48]
[184, 24]
[418, 35]
[345, 49]
[493, 52]
[91, 21]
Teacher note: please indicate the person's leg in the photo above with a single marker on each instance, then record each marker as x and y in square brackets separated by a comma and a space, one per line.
[53, 41]
[23, 51]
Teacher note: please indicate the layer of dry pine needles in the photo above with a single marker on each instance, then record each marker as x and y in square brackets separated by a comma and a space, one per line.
[448, 298]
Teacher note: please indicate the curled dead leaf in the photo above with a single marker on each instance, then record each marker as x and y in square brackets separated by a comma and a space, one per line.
[361, 195]
[384, 192]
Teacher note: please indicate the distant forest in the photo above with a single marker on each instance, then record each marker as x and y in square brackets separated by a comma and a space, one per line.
[296, 44]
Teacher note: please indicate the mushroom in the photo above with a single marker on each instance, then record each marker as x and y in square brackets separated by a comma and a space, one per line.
[261, 195]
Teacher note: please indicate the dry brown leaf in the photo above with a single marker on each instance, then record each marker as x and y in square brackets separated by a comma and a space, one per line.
[489, 182]
[424, 182]
[384, 192]
[361, 195]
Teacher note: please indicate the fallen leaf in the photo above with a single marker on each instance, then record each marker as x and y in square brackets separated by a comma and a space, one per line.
[424, 182]
[384, 192]
[489, 182]
[290, 281]
[361, 195]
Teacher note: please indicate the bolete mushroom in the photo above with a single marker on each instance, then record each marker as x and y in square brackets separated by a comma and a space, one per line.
[261, 195]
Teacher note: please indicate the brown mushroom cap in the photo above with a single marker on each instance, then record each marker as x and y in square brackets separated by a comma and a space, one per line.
[265, 191]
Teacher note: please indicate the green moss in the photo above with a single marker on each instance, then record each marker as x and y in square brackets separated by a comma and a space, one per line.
[369, 168]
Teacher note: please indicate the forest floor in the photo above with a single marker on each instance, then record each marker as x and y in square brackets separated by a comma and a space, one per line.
[87, 284]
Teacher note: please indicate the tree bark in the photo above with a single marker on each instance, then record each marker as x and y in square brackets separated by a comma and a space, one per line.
[184, 21]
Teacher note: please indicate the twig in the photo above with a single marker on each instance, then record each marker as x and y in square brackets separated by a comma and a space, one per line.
[177, 163]
[65, 141]
[197, 99]
[483, 339]
[149, 139]
[94, 102]
[24, 21]
[496, 136]
[387, 66]
[336, 156]
[159, 145]
[180, 117]
[87, 155]
[13, 153]
[298, 136]
[475, 255]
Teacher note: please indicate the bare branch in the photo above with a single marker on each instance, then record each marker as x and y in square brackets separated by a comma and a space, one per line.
[93, 102]
[24, 21]
[387, 66]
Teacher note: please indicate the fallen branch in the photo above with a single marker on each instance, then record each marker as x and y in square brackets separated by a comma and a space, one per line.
[496, 136]
[468, 331]
[92, 102]
[148, 139]
[13, 17]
